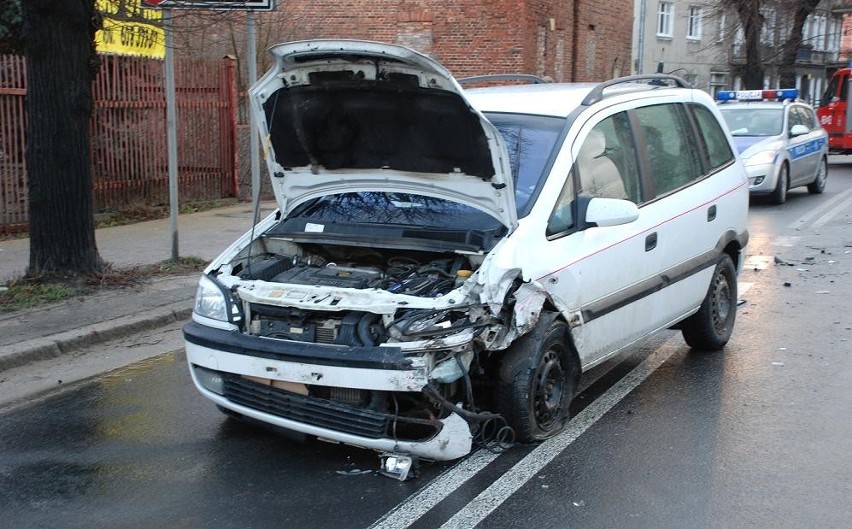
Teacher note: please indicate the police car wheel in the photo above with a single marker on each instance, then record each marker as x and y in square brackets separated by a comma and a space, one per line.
[779, 194]
[818, 185]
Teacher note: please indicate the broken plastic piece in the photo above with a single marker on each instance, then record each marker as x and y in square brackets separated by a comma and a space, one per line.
[398, 466]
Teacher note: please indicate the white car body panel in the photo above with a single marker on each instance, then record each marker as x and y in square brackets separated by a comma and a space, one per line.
[603, 281]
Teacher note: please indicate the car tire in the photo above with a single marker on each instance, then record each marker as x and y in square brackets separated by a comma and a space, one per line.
[711, 327]
[818, 185]
[779, 194]
[539, 377]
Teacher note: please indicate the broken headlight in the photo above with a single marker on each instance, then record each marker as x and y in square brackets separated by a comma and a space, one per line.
[212, 300]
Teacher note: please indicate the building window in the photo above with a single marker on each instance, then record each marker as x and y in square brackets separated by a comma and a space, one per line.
[693, 23]
[722, 28]
[767, 32]
[819, 41]
[665, 18]
[718, 81]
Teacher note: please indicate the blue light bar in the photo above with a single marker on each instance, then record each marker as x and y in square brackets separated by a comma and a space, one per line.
[757, 95]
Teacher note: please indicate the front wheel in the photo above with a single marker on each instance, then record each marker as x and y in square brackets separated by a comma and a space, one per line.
[711, 327]
[818, 185]
[779, 194]
[539, 375]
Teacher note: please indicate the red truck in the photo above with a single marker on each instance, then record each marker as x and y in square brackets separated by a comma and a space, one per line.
[834, 112]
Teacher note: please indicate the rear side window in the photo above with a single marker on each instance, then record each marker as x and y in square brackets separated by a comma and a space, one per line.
[715, 142]
[672, 155]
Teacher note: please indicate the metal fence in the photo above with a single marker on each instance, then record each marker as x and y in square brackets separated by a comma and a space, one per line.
[128, 128]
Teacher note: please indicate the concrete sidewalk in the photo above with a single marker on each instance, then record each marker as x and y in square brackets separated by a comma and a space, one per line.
[50, 331]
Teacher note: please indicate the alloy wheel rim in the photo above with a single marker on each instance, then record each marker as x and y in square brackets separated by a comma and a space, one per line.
[722, 303]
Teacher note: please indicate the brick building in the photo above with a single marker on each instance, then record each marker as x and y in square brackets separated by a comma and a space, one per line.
[567, 40]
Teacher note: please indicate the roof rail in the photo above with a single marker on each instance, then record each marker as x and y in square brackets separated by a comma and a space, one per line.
[654, 79]
[534, 79]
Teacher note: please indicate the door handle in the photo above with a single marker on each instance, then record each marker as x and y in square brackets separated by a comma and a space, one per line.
[711, 213]
[651, 242]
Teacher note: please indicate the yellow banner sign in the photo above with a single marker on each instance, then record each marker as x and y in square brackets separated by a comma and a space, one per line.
[130, 29]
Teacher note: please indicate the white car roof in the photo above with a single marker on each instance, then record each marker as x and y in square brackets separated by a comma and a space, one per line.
[560, 99]
[547, 99]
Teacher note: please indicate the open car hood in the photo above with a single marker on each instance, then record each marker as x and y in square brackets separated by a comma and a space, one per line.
[339, 116]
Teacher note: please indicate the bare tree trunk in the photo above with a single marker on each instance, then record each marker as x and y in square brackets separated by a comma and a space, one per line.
[752, 22]
[61, 63]
[790, 49]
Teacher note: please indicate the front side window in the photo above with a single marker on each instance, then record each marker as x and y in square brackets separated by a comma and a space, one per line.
[715, 141]
[794, 118]
[807, 117]
[606, 166]
[665, 18]
[606, 162]
[693, 23]
[672, 156]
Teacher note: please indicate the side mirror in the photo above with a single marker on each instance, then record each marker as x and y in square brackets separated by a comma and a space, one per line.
[603, 212]
[798, 130]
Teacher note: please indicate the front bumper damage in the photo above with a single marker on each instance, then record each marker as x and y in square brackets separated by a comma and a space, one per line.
[314, 389]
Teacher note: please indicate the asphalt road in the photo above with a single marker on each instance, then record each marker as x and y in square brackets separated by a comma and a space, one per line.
[756, 436]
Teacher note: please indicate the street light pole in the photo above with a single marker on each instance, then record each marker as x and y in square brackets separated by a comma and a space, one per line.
[171, 131]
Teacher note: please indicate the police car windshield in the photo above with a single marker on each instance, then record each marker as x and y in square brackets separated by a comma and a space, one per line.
[749, 120]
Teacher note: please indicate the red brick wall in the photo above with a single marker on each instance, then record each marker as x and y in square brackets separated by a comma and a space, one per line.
[604, 29]
[473, 37]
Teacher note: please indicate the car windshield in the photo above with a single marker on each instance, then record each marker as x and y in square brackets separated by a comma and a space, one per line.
[530, 141]
[752, 121]
[371, 215]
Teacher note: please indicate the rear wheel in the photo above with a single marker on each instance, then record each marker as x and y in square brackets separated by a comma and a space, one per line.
[818, 185]
[539, 379]
[711, 327]
[779, 194]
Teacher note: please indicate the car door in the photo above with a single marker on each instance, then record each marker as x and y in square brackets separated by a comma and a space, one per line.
[803, 150]
[687, 206]
[599, 276]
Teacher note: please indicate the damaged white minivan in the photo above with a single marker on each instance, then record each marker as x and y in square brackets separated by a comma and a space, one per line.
[445, 263]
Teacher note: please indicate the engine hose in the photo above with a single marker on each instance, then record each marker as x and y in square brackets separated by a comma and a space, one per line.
[469, 416]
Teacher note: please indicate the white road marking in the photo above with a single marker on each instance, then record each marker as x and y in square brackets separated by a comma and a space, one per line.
[426, 498]
[743, 287]
[494, 496]
[799, 223]
[420, 503]
[789, 240]
[834, 211]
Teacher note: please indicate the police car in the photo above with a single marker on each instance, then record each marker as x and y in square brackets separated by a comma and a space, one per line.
[780, 141]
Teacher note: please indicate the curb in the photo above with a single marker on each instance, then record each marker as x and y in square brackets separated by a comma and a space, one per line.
[97, 333]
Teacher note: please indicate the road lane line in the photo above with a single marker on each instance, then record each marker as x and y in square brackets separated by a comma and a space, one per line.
[834, 211]
[799, 223]
[441, 487]
[421, 502]
[494, 496]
